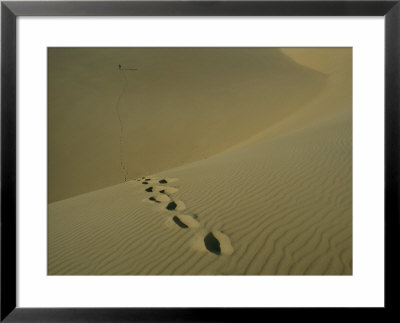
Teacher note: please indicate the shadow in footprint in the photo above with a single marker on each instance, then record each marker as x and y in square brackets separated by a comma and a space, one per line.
[171, 206]
[150, 189]
[212, 244]
[162, 181]
[154, 199]
[179, 222]
[167, 190]
[145, 183]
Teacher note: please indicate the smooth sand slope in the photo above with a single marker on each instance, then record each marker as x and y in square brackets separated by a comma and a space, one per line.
[179, 106]
[275, 202]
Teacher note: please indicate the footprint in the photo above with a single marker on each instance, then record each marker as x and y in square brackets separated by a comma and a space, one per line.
[218, 243]
[167, 190]
[187, 220]
[212, 244]
[162, 189]
[148, 179]
[163, 198]
[171, 206]
[176, 206]
[183, 221]
[160, 198]
[215, 241]
[154, 199]
[167, 180]
[179, 222]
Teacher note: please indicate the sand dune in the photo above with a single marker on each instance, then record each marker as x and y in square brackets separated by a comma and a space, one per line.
[181, 105]
[277, 201]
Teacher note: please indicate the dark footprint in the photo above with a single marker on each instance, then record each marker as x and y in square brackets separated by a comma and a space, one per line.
[179, 222]
[162, 181]
[166, 190]
[154, 199]
[145, 183]
[212, 244]
[171, 206]
[150, 189]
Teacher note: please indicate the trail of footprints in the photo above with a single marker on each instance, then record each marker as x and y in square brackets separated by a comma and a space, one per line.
[214, 241]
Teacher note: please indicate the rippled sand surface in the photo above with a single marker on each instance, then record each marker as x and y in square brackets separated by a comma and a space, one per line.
[258, 181]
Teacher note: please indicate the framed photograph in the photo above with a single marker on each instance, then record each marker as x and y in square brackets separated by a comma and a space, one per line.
[198, 160]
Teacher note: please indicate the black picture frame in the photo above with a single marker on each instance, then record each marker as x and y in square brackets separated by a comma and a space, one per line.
[10, 10]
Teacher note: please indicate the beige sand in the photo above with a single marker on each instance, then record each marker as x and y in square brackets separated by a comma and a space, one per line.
[276, 191]
[181, 105]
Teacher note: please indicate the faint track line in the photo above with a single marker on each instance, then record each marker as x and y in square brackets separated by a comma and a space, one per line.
[122, 160]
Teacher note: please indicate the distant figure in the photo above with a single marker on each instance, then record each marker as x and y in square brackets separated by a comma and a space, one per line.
[119, 66]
